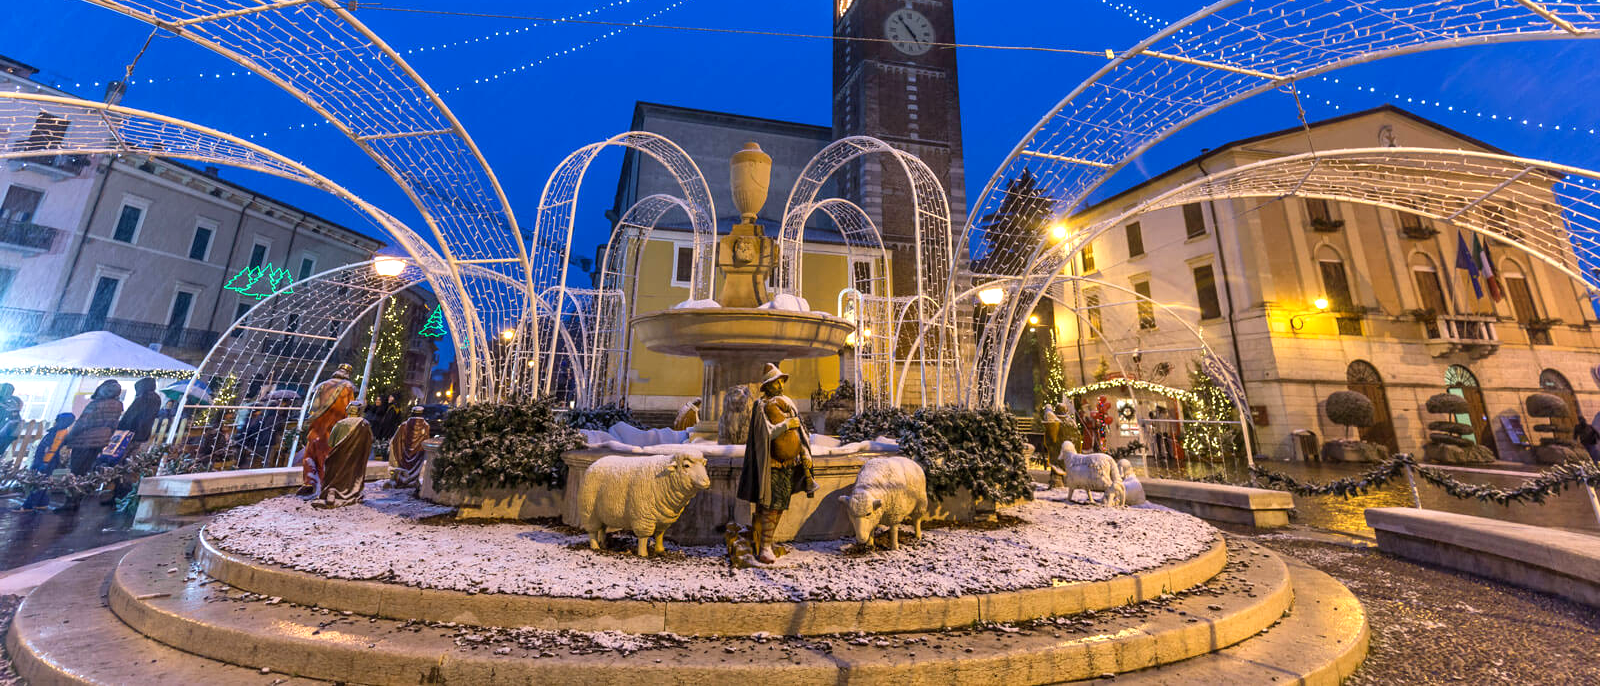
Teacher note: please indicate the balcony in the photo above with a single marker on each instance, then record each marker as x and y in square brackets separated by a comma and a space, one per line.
[26, 236]
[1472, 334]
[144, 333]
[59, 167]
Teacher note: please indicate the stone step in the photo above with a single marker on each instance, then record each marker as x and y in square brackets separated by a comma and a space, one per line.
[149, 592]
[63, 633]
[395, 601]
[1321, 641]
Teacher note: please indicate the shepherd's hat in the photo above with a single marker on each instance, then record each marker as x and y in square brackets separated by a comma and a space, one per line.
[771, 373]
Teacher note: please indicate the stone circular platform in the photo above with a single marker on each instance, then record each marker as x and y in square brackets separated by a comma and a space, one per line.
[378, 559]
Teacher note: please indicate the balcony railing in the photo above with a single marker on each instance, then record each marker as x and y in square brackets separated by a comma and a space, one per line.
[1473, 334]
[60, 166]
[28, 236]
[143, 333]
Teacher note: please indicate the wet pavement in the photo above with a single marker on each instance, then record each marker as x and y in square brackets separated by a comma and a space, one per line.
[29, 537]
[1568, 510]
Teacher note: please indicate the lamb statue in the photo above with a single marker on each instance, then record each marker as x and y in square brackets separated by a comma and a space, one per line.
[889, 490]
[1091, 472]
[645, 494]
[1133, 491]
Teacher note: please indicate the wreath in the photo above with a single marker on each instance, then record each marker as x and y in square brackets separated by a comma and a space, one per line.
[1125, 412]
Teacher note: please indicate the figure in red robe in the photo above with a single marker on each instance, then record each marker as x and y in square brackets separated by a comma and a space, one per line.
[328, 403]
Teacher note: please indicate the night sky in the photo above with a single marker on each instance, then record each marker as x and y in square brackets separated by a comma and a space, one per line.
[585, 88]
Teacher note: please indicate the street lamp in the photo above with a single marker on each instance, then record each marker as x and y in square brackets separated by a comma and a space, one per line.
[1058, 232]
[992, 296]
[508, 334]
[1298, 322]
[387, 265]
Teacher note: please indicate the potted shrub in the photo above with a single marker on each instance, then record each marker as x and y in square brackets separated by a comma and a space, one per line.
[1445, 443]
[1353, 411]
[1558, 447]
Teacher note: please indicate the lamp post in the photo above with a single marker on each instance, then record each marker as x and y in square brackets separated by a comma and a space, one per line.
[1298, 321]
[387, 267]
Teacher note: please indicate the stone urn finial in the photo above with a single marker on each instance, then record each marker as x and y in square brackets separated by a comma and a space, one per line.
[751, 175]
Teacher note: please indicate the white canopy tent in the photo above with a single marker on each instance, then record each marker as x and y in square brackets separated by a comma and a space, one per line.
[59, 376]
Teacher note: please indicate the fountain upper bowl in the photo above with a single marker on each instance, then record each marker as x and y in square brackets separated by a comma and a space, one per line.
[726, 331]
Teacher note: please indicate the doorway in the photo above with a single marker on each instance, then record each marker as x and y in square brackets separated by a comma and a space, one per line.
[1460, 381]
[1363, 378]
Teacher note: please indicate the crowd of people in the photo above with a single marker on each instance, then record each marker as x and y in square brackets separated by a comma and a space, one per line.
[104, 433]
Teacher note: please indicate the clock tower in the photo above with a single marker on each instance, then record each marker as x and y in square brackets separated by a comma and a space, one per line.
[901, 88]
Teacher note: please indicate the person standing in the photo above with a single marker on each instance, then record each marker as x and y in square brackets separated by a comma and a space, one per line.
[328, 402]
[388, 418]
[46, 459]
[10, 422]
[89, 435]
[138, 420]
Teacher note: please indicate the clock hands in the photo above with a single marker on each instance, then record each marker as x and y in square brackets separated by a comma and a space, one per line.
[911, 31]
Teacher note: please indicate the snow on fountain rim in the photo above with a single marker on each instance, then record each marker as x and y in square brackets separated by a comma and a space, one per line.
[381, 539]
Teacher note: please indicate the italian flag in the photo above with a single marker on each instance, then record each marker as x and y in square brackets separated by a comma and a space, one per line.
[1480, 254]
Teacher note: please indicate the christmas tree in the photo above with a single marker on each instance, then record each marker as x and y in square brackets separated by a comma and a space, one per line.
[434, 327]
[245, 279]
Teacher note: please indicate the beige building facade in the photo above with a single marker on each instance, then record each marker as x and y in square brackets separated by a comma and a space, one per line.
[1402, 323]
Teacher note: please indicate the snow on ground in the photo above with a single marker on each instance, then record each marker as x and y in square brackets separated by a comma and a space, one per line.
[382, 539]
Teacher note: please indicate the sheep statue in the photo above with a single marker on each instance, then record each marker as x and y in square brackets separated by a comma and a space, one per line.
[1091, 472]
[645, 494]
[1132, 490]
[888, 491]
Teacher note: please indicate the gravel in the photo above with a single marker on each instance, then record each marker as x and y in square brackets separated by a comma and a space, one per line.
[1434, 626]
[385, 539]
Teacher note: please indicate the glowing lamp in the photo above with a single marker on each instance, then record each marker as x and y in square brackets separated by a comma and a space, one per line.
[1058, 232]
[992, 296]
[385, 265]
[1033, 319]
[866, 333]
[1320, 303]
[508, 334]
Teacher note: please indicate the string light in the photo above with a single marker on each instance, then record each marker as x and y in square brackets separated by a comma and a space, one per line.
[1136, 384]
[121, 372]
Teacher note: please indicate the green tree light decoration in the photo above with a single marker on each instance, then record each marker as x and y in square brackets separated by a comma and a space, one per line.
[261, 281]
[434, 327]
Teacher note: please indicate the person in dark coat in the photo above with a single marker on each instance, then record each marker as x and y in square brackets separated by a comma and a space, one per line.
[385, 418]
[47, 457]
[139, 419]
[90, 434]
[10, 422]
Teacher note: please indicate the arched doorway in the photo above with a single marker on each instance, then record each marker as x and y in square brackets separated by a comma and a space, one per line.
[1555, 383]
[1460, 381]
[1363, 378]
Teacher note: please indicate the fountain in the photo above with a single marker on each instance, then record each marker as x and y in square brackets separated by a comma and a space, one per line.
[745, 327]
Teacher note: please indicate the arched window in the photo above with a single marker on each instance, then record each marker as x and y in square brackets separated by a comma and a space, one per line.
[1363, 378]
[1555, 383]
[1430, 293]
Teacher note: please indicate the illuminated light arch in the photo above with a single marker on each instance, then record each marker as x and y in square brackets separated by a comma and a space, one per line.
[873, 343]
[319, 54]
[1555, 222]
[96, 128]
[557, 212]
[934, 245]
[1230, 51]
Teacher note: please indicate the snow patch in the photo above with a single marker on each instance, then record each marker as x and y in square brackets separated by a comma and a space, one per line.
[787, 302]
[696, 304]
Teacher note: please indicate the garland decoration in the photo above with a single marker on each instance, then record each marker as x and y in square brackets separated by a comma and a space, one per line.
[1535, 490]
[1136, 384]
[123, 372]
[138, 466]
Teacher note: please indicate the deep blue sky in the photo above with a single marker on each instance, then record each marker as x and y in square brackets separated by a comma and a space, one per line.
[527, 122]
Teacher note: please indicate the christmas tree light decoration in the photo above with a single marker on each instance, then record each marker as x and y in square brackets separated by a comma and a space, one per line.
[261, 281]
[434, 327]
[245, 279]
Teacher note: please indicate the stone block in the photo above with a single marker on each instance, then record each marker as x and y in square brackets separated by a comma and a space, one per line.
[1257, 507]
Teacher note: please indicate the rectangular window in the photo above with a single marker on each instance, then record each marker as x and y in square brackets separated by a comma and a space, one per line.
[178, 318]
[1194, 221]
[128, 221]
[1135, 240]
[1091, 305]
[105, 296]
[1205, 291]
[6, 277]
[1319, 215]
[258, 255]
[200, 245]
[860, 276]
[48, 130]
[1412, 223]
[240, 309]
[683, 267]
[308, 266]
[1521, 299]
[20, 204]
[1432, 298]
[1336, 286]
[1147, 308]
[1087, 254]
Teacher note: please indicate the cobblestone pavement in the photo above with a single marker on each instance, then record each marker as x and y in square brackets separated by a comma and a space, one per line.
[1432, 626]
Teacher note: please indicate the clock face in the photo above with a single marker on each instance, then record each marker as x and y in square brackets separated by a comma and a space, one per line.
[909, 31]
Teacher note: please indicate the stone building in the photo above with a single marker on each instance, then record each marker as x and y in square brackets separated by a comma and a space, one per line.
[139, 246]
[1401, 322]
[901, 90]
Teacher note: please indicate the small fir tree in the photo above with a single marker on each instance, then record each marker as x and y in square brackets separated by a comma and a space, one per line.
[434, 327]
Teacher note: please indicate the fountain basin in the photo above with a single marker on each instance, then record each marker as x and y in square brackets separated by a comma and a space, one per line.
[724, 332]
